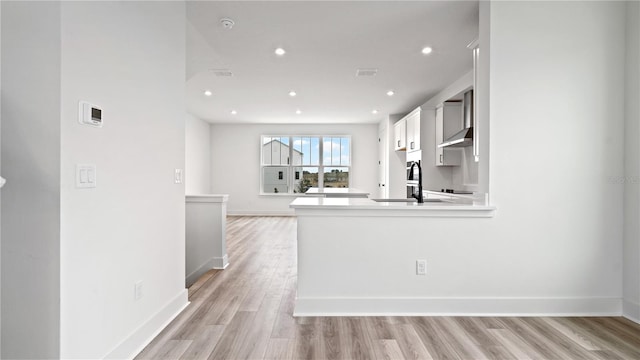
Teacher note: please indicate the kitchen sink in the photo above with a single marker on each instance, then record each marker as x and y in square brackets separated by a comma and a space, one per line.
[395, 200]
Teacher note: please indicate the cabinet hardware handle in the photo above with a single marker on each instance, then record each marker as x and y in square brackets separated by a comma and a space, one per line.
[412, 145]
[440, 158]
[398, 143]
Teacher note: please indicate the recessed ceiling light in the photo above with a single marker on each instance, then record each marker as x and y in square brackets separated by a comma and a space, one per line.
[427, 50]
[233, 112]
[292, 93]
[280, 51]
[390, 93]
[374, 111]
[298, 112]
[208, 93]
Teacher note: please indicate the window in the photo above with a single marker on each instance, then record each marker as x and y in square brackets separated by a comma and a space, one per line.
[293, 164]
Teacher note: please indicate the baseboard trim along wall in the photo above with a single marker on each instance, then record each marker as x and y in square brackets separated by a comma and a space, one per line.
[221, 262]
[458, 307]
[631, 310]
[141, 337]
[213, 263]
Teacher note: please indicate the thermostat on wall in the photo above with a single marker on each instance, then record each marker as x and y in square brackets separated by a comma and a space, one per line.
[89, 114]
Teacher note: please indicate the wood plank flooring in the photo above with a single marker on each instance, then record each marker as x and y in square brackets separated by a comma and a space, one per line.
[244, 312]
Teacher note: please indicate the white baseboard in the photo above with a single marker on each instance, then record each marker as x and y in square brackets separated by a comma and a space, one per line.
[213, 263]
[458, 307]
[195, 274]
[220, 262]
[261, 213]
[143, 335]
[631, 310]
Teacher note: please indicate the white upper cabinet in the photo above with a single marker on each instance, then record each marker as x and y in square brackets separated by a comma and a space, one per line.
[448, 122]
[407, 132]
[413, 130]
[400, 135]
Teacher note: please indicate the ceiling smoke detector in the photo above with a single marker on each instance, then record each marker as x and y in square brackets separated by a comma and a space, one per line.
[227, 23]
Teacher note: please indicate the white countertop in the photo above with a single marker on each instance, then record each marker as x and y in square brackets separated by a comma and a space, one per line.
[343, 205]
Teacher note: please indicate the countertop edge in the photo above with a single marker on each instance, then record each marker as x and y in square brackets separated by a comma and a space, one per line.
[207, 198]
[362, 208]
[477, 212]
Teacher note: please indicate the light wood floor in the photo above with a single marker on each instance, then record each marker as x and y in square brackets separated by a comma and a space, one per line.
[244, 312]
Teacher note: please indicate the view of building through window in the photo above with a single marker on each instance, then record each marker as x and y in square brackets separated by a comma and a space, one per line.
[293, 164]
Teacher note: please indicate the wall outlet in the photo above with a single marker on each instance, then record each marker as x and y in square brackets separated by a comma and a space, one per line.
[137, 290]
[421, 267]
[178, 176]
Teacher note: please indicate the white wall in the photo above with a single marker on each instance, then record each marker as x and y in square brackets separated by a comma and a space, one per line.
[0, 173]
[197, 156]
[557, 85]
[71, 257]
[631, 280]
[235, 162]
[556, 113]
[31, 165]
[129, 58]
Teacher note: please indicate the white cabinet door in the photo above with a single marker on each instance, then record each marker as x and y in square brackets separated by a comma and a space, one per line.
[400, 135]
[413, 131]
[382, 164]
[448, 121]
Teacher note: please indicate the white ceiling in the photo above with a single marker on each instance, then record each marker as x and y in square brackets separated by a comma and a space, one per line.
[326, 41]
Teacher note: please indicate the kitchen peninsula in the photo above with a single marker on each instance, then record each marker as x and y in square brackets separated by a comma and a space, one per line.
[368, 252]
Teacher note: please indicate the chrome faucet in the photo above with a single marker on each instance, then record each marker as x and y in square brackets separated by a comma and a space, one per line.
[419, 196]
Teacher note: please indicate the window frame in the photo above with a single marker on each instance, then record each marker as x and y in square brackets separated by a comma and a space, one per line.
[291, 166]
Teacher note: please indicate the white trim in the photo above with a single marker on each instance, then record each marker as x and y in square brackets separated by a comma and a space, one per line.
[631, 310]
[260, 213]
[195, 274]
[596, 306]
[133, 344]
[220, 262]
[207, 198]
[451, 212]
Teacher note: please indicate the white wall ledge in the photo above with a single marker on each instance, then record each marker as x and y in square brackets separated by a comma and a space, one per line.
[207, 198]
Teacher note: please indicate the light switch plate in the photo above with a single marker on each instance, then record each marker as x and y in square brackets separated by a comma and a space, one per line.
[86, 176]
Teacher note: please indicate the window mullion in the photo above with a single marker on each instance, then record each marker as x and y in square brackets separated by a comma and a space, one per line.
[321, 163]
[290, 167]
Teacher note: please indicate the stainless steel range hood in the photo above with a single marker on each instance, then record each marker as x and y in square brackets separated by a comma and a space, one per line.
[463, 137]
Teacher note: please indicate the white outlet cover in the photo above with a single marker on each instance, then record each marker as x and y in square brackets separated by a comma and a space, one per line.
[421, 267]
[178, 176]
[137, 290]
